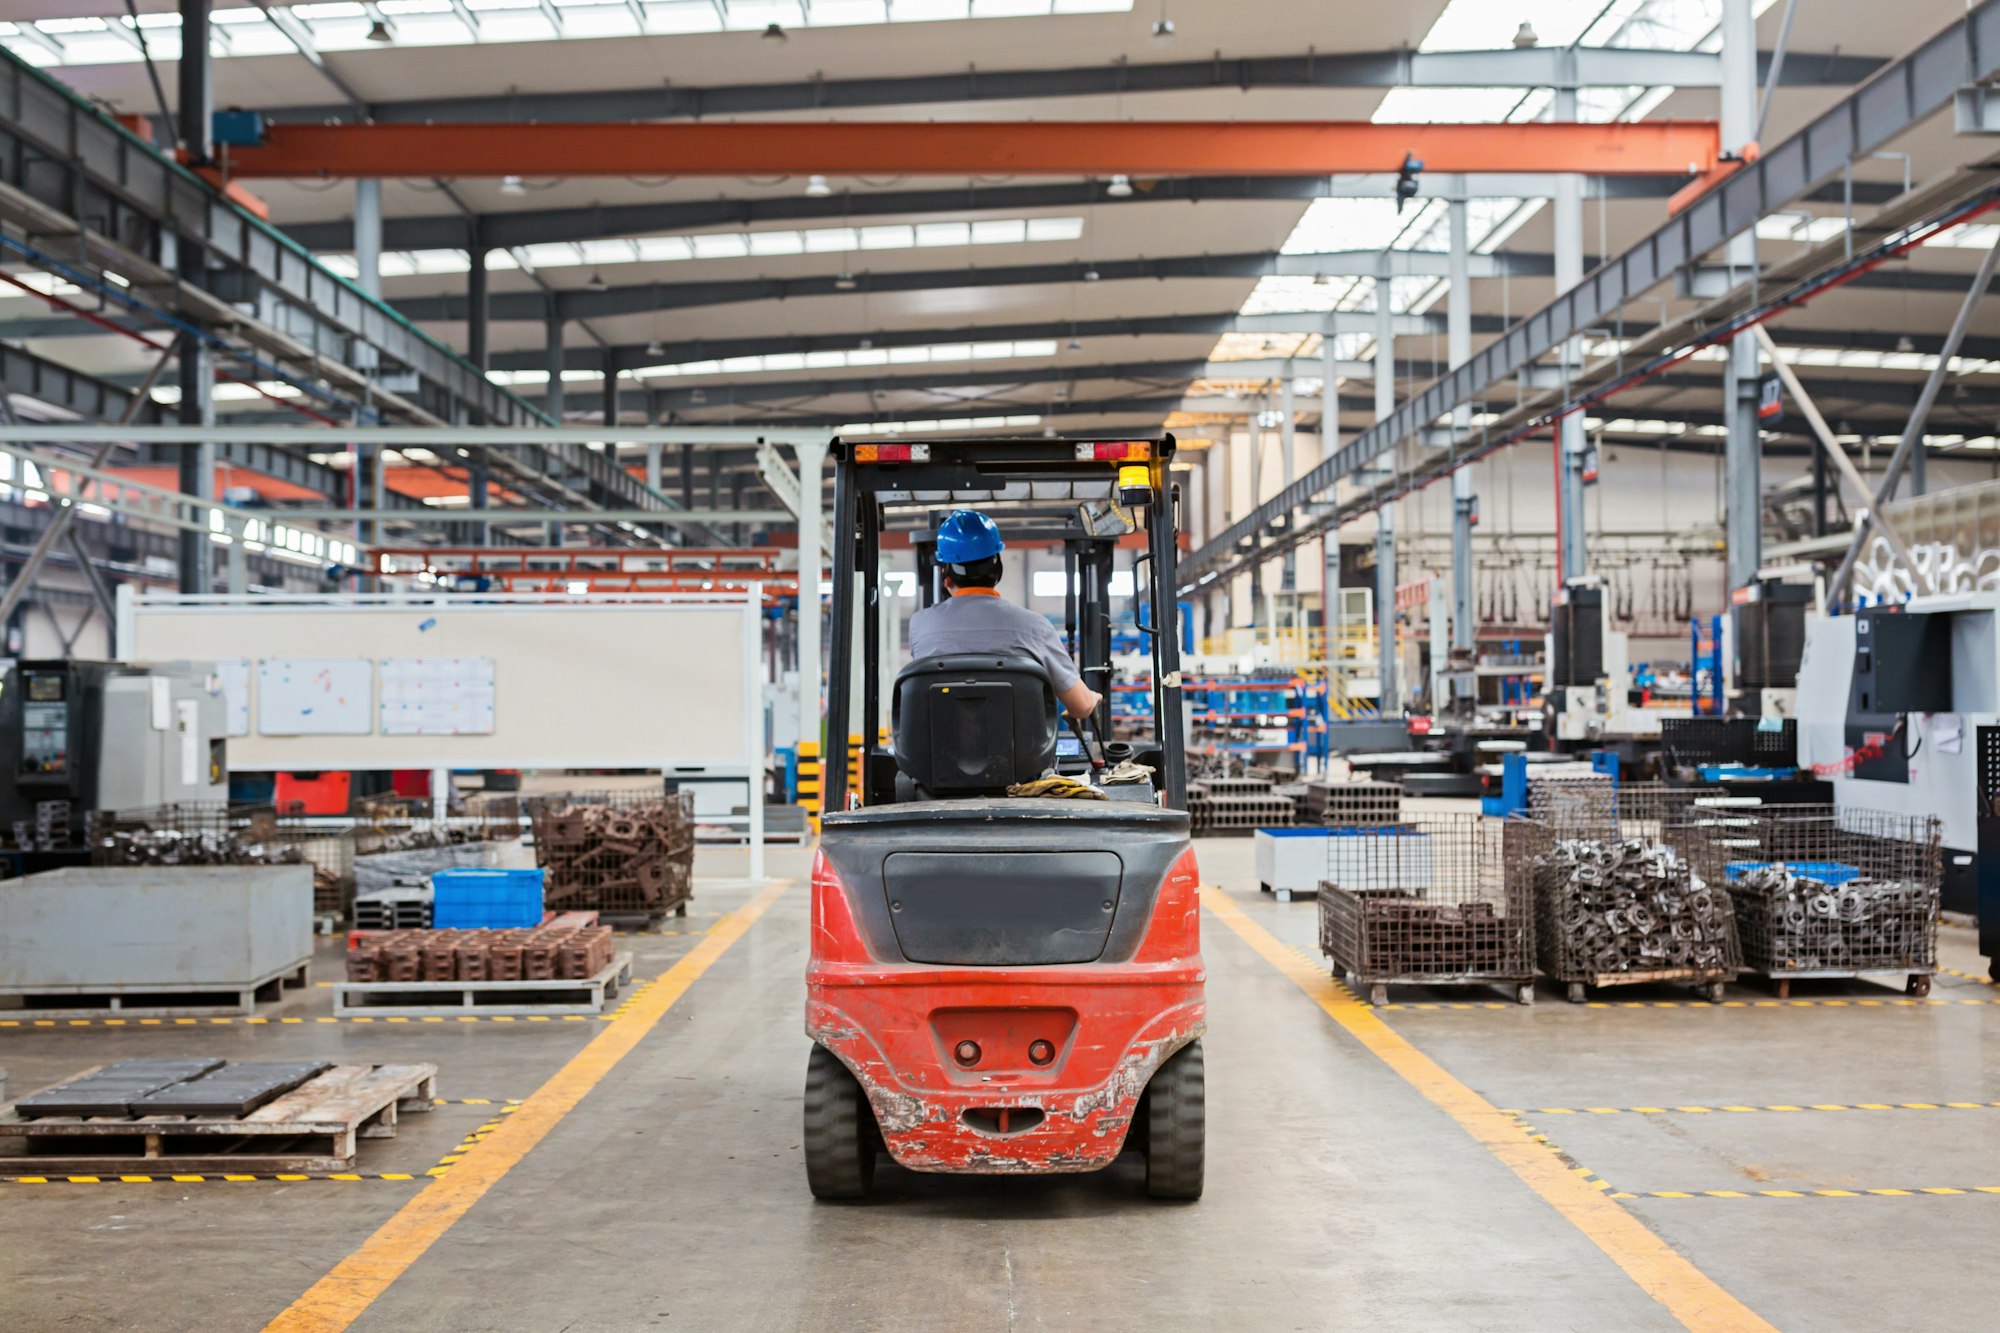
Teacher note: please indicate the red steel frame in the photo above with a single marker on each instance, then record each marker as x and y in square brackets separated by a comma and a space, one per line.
[895, 1024]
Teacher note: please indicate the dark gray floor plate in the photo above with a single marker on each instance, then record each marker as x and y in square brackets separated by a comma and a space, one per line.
[235, 1089]
[112, 1089]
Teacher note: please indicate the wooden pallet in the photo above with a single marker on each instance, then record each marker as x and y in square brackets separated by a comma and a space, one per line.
[420, 999]
[314, 1127]
[228, 999]
[1709, 981]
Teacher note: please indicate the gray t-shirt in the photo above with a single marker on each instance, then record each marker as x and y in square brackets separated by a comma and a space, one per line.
[981, 624]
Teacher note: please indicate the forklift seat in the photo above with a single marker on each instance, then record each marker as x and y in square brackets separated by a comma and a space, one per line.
[973, 724]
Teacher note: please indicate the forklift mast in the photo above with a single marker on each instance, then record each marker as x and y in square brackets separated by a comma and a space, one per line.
[1002, 476]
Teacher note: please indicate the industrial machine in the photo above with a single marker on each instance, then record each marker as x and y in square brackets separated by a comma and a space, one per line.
[1899, 707]
[82, 736]
[1002, 984]
[1769, 632]
[1588, 690]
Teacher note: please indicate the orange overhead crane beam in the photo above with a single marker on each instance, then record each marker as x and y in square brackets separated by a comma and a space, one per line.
[960, 148]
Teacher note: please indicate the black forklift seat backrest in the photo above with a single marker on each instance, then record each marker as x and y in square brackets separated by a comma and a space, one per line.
[972, 723]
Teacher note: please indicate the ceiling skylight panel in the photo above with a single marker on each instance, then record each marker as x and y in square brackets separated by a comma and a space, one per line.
[721, 245]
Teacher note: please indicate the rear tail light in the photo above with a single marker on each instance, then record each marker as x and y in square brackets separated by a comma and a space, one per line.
[1115, 451]
[892, 453]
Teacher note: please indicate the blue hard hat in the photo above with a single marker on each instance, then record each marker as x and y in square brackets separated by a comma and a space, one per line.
[967, 536]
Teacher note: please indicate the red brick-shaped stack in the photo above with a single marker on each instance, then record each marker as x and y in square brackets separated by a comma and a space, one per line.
[543, 953]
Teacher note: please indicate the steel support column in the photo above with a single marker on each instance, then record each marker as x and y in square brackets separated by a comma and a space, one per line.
[1566, 211]
[1458, 348]
[476, 287]
[1288, 409]
[1385, 517]
[812, 539]
[609, 393]
[196, 78]
[1743, 471]
[368, 236]
[552, 356]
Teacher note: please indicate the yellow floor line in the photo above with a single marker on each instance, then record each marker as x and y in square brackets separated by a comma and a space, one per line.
[343, 1295]
[1690, 1295]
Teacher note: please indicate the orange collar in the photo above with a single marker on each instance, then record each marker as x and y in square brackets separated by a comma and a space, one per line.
[975, 592]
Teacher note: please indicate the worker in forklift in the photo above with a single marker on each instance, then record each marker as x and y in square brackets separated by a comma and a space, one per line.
[976, 619]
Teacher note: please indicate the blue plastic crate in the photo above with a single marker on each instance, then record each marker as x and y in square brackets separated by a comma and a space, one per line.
[472, 899]
[1830, 873]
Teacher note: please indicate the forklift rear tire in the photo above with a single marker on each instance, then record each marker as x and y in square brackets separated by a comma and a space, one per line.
[1176, 1126]
[841, 1137]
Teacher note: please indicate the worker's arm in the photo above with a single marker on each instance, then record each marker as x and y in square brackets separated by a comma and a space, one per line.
[1080, 700]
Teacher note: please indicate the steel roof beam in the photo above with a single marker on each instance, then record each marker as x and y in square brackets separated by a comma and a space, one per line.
[575, 304]
[446, 231]
[633, 355]
[1533, 67]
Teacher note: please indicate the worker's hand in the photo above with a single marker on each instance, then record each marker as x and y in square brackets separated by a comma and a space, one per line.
[1081, 700]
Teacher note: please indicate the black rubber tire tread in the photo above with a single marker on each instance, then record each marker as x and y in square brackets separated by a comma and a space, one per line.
[841, 1138]
[1177, 1126]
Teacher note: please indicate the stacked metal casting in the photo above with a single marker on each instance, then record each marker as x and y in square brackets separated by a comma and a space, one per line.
[543, 953]
[1821, 890]
[48, 831]
[635, 857]
[1426, 901]
[1795, 923]
[1608, 906]
[212, 834]
[1237, 805]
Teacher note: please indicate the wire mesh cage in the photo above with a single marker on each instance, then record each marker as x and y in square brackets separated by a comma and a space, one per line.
[1613, 909]
[1827, 893]
[620, 853]
[1426, 902]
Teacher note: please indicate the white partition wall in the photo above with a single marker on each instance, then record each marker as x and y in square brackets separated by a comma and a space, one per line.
[657, 681]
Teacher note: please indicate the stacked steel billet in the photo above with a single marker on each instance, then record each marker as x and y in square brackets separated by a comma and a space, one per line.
[541, 953]
[1236, 806]
[1821, 893]
[1613, 910]
[1426, 902]
[623, 856]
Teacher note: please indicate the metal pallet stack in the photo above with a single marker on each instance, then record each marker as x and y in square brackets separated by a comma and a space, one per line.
[1426, 902]
[1821, 893]
[629, 855]
[1222, 805]
[1350, 804]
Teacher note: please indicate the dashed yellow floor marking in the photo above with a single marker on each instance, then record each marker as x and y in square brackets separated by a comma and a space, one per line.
[343, 1295]
[1690, 1295]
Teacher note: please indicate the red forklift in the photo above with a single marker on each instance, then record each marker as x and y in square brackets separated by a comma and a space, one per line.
[1003, 985]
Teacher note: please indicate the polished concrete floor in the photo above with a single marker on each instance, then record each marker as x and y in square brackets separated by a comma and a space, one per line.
[1339, 1196]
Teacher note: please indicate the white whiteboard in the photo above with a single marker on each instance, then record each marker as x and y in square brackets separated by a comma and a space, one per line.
[315, 696]
[235, 678]
[617, 681]
[437, 696]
